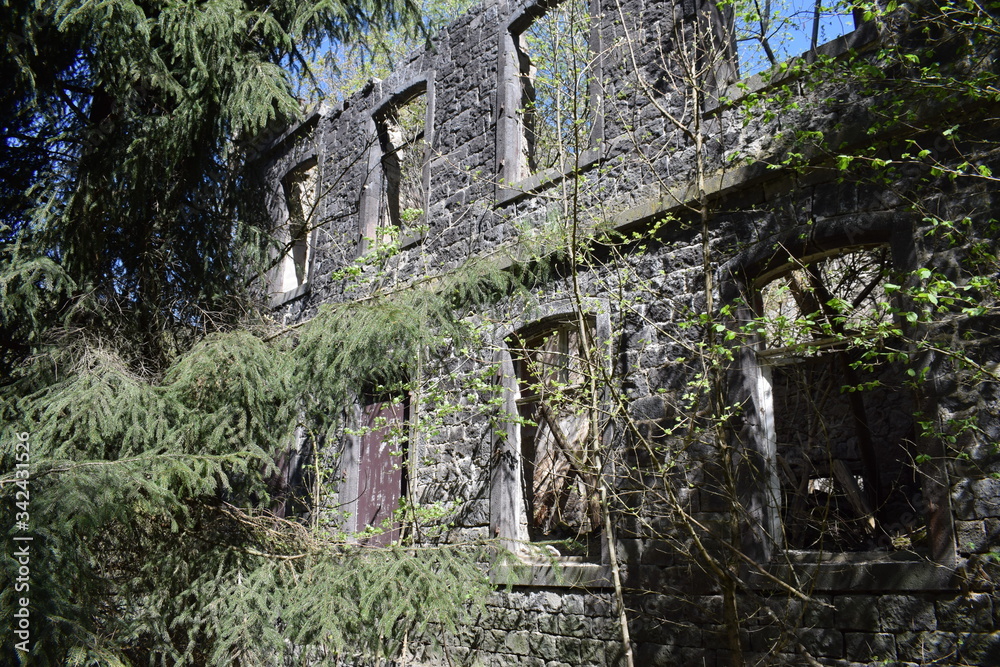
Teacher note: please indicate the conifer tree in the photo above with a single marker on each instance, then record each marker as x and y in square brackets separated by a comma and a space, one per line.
[136, 386]
[122, 132]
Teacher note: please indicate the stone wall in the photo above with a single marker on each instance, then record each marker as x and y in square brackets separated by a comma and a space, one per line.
[923, 601]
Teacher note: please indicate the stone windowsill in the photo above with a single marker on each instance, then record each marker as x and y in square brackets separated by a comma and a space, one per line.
[281, 298]
[565, 572]
[545, 179]
[406, 240]
[409, 239]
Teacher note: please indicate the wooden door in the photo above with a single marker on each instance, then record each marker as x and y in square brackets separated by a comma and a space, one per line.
[382, 466]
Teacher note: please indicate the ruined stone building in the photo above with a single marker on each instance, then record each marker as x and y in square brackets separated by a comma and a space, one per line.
[749, 376]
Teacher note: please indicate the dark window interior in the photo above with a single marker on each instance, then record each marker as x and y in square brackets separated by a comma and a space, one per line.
[843, 410]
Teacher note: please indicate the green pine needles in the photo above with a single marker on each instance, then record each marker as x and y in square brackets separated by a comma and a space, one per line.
[125, 136]
[144, 402]
[149, 497]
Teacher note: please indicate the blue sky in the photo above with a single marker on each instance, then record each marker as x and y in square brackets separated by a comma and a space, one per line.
[789, 31]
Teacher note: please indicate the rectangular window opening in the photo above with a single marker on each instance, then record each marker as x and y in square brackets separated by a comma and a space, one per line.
[555, 71]
[301, 199]
[402, 130]
[843, 413]
[559, 478]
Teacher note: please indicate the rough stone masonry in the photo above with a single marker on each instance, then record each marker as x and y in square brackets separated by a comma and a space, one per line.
[852, 527]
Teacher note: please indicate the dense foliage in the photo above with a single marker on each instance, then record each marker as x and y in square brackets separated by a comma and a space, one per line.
[154, 403]
[144, 403]
[120, 172]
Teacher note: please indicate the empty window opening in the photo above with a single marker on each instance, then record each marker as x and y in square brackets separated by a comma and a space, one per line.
[818, 302]
[843, 413]
[382, 476]
[401, 134]
[300, 190]
[555, 70]
[291, 486]
[558, 466]
[769, 32]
